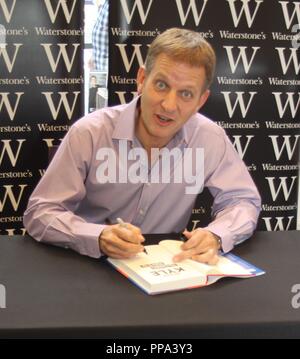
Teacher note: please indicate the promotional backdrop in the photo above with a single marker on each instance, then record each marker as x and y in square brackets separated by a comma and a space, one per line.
[40, 94]
[255, 96]
[256, 93]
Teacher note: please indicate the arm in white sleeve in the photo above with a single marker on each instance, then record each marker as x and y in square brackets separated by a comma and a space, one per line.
[50, 213]
[237, 203]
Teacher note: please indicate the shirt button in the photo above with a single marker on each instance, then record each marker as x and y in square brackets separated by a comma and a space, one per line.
[142, 212]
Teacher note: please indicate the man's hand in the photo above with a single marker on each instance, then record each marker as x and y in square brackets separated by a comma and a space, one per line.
[201, 246]
[120, 242]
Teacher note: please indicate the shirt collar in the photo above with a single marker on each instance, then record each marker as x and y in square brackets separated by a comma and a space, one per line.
[125, 126]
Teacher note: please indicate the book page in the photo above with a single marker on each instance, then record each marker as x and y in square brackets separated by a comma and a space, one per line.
[224, 267]
[157, 266]
[174, 247]
[155, 271]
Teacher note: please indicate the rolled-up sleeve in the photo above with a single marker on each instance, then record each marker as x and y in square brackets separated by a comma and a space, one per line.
[237, 203]
[50, 213]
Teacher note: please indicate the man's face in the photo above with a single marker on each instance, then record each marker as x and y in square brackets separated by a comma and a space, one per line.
[171, 93]
[93, 81]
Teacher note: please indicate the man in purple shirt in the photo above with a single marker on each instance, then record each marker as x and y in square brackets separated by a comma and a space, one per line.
[137, 162]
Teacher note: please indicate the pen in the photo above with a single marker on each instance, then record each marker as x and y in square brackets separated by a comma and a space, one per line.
[123, 224]
[182, 237]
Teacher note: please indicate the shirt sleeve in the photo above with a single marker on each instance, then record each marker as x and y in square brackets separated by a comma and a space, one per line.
[237, 203]
[50, 213]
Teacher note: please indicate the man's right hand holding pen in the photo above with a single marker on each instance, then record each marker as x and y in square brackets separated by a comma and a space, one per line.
[122, 240]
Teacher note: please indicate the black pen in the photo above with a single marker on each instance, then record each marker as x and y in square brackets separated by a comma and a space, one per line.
[182, 237]
[123, 224]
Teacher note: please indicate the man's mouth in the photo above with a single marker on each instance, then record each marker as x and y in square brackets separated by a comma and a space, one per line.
[163, 120]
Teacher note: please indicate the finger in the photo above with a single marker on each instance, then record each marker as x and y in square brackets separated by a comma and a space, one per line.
[137, 231]
[187, 233]
[192, 242]
[208, 257]
[184, 255]
[127, 234]
[134, 230]
[127, 247]
[116, 243]
[199, 238]
[214, 260]
[117, 254]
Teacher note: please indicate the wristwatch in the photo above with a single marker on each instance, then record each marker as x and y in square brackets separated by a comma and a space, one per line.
[219, 240]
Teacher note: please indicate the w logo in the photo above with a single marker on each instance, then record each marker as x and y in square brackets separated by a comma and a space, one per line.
[137, 4]
[240, 101]
[12, 232]
[279, 223]
[4, 100]
[245, 9]
[285, 63]
[289, 103]
[63, 101]
[13, 155]
[68, 11]
[51, 142]
[197, 14]
[283, 187]
[285, 146]
[61, 53]
[242, 55]
[289, 19]
[7, 12]
[125, 97]
[11, 197]
[136, 54]
[240, 147]
[9, 62]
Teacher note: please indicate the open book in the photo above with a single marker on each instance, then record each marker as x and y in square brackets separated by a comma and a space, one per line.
[154, 271]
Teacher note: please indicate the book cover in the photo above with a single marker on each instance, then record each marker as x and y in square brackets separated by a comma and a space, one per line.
[155, 272]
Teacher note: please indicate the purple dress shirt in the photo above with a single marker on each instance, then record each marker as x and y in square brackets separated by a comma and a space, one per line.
[70, 207]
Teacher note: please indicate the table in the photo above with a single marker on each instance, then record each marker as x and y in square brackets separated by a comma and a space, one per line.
[54, 292]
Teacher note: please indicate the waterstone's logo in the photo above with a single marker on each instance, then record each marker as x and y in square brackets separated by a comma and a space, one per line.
[171, 166]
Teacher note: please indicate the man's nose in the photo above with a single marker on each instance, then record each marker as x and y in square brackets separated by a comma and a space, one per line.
[169, 102]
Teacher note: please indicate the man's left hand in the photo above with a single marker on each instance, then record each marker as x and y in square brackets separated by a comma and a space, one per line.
[201, 246]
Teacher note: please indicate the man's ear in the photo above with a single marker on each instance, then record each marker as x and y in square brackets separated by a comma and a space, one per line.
[141, 75]
[203, 99]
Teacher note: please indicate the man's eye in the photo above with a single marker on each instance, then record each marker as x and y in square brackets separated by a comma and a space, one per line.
[161, 85]
[186, 94]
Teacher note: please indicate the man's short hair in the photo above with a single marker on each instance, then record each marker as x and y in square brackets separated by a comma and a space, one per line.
[186, 46]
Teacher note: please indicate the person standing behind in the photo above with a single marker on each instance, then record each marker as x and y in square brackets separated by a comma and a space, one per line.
[93, 93]
[99, 61]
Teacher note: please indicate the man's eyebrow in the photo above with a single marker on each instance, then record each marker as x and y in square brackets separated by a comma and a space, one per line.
[160, 74]
[165, 78]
